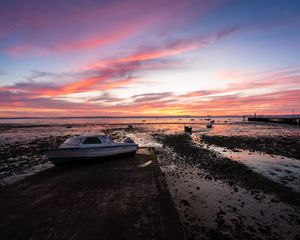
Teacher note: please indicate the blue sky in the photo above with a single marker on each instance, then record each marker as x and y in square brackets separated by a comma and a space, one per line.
[149, 57]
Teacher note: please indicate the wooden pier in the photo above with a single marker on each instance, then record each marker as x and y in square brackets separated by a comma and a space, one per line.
[294, 121]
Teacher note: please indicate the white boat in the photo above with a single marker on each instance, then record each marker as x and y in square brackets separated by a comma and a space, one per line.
[80, 148]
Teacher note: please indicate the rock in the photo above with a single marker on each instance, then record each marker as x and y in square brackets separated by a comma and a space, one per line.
[262, 213]
[185, 203]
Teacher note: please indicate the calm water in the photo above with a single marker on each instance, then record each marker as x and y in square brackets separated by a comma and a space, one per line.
[29, 129]
[21, 131]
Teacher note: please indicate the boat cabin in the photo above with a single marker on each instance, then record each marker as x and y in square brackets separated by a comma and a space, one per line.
[85, 141]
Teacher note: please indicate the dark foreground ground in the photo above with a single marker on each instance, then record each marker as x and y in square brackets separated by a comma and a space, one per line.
[219, 198]
[116, 199]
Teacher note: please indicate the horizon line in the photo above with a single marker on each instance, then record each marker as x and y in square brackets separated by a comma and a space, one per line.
[167, 116]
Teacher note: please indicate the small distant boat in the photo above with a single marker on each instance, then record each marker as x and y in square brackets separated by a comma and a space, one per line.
[188, 129]
[209, 125]
[212, 121]
[80, 148]
[207, 118]
[192, 119]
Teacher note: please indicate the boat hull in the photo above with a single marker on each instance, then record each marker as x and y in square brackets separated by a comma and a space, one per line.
[70, 155]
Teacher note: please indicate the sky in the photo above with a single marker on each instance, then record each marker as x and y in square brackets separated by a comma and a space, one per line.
[149, 58]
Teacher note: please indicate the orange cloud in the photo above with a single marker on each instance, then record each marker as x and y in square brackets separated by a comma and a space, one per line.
[160, 53]
[275, 103]
[81, 85]
[147, 54]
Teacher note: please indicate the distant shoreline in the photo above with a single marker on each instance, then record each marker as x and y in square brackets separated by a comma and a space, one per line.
[183, 116]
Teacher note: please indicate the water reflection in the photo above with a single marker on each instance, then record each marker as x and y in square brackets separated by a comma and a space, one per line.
[28, 129]
[278, 168]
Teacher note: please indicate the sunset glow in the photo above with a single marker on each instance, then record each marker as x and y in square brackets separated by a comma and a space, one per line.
[149, 58]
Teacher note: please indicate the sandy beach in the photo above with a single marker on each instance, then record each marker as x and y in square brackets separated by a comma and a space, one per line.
[224, 186]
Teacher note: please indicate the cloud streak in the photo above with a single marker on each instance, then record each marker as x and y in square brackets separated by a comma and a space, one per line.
[116, 72]
[144, 58]
[160, 103]
[53, 26]
[230, 100]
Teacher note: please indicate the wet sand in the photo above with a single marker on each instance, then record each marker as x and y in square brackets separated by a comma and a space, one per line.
[212, 206]
[116, 199]
[223, 200]
[21, 159]
[288, 146]
[225, 169]
[280, 169]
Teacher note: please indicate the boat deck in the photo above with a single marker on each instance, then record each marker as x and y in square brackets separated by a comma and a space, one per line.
[117, 199]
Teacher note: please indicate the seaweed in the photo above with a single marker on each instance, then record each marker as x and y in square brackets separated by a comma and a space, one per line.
[226, 169]
[285, 146]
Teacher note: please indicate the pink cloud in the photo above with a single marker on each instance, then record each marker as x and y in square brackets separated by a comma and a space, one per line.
[102, 75]
[155, 104]
[42, 27]
[165, 50]
[221, 101]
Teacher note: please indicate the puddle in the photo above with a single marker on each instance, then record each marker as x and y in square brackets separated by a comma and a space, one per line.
[278, 168]
[145, 164]
[143, 139]
[207, 206]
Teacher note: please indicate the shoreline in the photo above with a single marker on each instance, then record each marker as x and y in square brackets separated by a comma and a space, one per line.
[214, 209]
[197, 190]
[232, 172]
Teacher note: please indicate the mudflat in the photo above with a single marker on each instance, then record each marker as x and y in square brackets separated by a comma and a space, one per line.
[114, 199]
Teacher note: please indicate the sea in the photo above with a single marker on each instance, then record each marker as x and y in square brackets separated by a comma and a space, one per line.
[19, 133]
[24, 129]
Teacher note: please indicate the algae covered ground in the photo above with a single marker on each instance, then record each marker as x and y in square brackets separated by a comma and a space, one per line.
[288, 146]
[219, 198]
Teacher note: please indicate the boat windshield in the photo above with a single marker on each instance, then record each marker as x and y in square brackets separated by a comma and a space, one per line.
[72, 141]
[92, 140]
